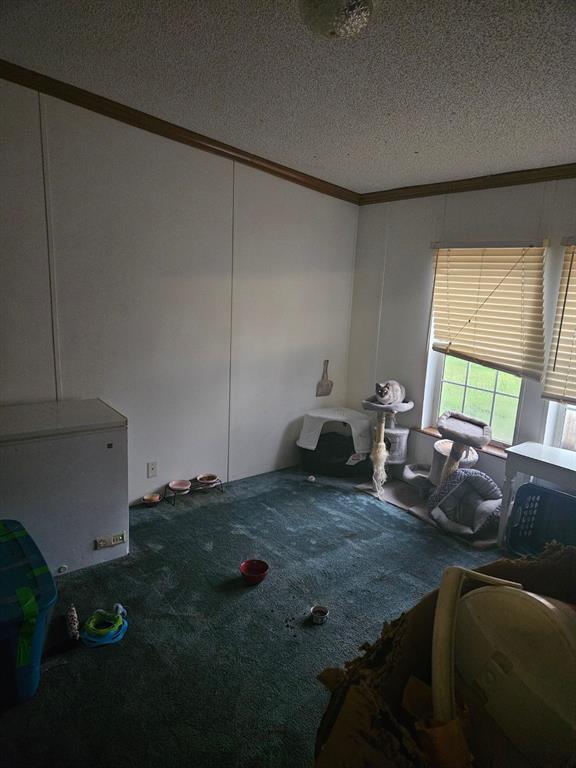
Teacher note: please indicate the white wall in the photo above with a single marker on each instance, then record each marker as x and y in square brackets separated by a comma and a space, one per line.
[394, 282]
[26, 351]
[169, 279]
[142, 242]
[162, 274]
[293, 257]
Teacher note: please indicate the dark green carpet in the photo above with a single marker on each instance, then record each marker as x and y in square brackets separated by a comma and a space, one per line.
[212, 673]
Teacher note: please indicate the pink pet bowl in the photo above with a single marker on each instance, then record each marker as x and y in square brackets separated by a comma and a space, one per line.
[180, 486]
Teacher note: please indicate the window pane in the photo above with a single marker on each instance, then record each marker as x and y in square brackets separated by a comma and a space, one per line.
[504, 419]
[455, 369]
[478, 404]
[480, 376]
[569, 431]
[508, 384]
[491, 396]
[452, 397]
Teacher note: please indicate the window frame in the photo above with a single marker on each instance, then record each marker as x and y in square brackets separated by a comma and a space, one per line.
[557, 415]
[437, 395]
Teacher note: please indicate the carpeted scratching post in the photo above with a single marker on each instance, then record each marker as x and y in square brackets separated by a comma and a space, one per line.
[465, 433]
[386, 409]
[378, 456]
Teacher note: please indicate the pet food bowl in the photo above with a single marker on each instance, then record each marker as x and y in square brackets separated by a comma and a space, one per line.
[151, 499]
[254, 571]
[207, 479]
[179, 486]
[319, 614]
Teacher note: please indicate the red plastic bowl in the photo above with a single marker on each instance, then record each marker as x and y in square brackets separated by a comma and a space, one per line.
[254, 571]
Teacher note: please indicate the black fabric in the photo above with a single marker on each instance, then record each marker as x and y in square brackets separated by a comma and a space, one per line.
[330, 456]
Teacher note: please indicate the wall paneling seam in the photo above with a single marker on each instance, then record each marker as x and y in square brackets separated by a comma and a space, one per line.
[56, 354]
[380, 308]
[351, 308]
[233, 239]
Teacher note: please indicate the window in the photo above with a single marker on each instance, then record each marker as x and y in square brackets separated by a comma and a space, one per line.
[560, 380]
[561, 426]
[481, 392]
[568, 438]
[488, 307]
[488, 323]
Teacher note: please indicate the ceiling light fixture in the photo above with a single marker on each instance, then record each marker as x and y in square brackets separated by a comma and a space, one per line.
[337, 18]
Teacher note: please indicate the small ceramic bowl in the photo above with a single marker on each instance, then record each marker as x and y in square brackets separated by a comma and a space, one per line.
[151, 499]
[319, 614]
[179, 486]
[254, 571]
[207, 479]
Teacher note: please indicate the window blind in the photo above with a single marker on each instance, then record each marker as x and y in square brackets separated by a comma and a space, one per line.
[560, 381]
[488, 307]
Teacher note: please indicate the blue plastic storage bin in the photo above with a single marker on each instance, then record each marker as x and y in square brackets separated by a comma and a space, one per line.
[27, 596]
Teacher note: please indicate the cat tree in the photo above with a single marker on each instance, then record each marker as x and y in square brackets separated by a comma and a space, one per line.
[390, 442]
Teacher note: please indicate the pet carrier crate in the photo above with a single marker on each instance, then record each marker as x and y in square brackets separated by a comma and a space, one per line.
[540, 515]
[335, 442]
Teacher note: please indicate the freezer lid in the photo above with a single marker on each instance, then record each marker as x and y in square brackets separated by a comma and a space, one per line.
[34, 420]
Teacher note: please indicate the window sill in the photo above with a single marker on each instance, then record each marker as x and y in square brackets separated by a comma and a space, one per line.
[492, 450]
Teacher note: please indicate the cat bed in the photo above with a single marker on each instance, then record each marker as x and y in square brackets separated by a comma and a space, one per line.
[315, 421]
[466, 504]
[372, 403]
[416, 475]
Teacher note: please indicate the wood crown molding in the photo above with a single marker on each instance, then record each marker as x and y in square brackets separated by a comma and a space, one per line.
[146, 122]
[138, 119]
[510, 179]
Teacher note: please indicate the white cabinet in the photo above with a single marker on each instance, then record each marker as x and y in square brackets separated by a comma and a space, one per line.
[64, 476]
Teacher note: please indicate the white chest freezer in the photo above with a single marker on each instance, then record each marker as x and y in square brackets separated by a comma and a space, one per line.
[64, 476]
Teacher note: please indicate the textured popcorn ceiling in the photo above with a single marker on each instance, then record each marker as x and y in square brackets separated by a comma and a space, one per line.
[436, 90]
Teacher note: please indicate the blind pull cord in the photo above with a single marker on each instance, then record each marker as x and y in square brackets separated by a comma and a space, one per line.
[431, 313]
[563, 308]
[492, 292]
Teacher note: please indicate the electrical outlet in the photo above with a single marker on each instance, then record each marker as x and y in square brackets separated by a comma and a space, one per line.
[151, 469]
[110, 541]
